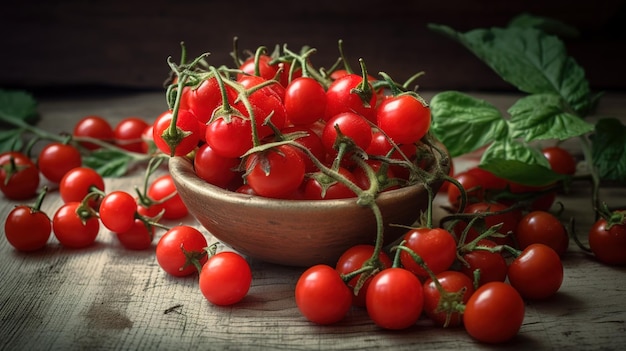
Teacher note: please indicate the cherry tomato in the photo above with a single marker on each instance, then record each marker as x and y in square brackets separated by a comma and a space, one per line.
[561, 161]
[351, 126]
[73, 231]
[492, 266]
[363, 181]
[128, 133]
[27, 229]
[214, 168]
[543, 198]
[164, 189]
[494, 313]
[275, 173]
[225, 278]
[404, 118]
[311, 141]
[488, 180]
[305, 101]
[321, 187]
[472, 186]
[322, 296]
[230, 138]
[19, 176]
[608, 241]
[353, 259]
[56, 159]
[508, 219]
[445, 313]
[395, 299]
[186, 124]
[544, 228]
[181, 250]
[93, 127]
[262, 67]
[117, 211]
[78, 183]
[206, 98]
[340, 98]
[435, 246]
[138, 237]
[537, 273]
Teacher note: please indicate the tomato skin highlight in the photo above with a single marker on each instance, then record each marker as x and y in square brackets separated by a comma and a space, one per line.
[537, 273]
[494, 313]
[395, 299]
[322, 296]
[225, 278]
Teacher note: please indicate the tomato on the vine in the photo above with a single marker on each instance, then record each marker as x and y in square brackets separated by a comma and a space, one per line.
[229, 136]
[321, 187]
[447, 312]
[72, 229]
[309, 140]
[353, 259]
[340, 97]
[225, 278]
[138, 237]
[262, 67]
[27, 228]
[128, 133]
[188, 131]
[93, 127]
[351, 126]
[19, 176]
[117, 211]
[78, 183]
[276, 172]
[491, 265]
[494, 313]
[435, 246]
[607, 239]
[395, 299]
[544, 228]
[322, 296]
[561, 161]
[472, 185]
[495, 213]
[305, 101]
[537, 273]
[214, 168]
[163, 190]
[56, 159]
[404, 118]
[181, 250]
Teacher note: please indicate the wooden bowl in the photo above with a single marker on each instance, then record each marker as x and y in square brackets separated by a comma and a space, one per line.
[293, 232]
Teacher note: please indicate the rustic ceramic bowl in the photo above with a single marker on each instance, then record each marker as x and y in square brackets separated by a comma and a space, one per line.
[292, 232]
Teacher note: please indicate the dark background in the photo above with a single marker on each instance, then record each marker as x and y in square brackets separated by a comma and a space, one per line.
[77, 45]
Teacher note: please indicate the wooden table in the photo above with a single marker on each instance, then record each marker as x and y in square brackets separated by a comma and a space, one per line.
[106, 297]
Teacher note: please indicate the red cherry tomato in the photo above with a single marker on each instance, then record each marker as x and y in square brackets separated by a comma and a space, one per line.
[351, 126]
[56, 159]
[93, 127]
[138, 237]
[19, 176]
[188, 127]
[508, 219]
[494, 313]
[472, 186]
[395, 299]
[491, 266]
[128, 133]
[27, 229]
[353, 259]
[322, 296]
[321, 187]
[608, 241]
[225, 278]
[340, 98]
[78, 183]
[435, 246]
[180, 249]
[275, 173]
[73, 231]
[163, 189]
[305, 101]
[404, 118]
[214, 168]
[561, 161]
[544, 228]
[117, 211]
[435, 308]
[537, 273]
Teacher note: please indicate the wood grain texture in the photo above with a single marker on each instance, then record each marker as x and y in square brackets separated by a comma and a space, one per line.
[109, 298]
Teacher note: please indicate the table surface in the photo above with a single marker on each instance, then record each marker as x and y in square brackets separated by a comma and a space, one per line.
[106, 297]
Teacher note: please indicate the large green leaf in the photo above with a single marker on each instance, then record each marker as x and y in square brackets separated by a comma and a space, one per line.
[609, 149]
[463, 123]
[544, 116]
[530, 59]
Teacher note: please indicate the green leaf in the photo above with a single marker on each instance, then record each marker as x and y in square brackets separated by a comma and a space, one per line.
[18, 104]
[608, 149]
[463, 123]
[108, 163]
[530, 59]
[519, 163]
[546, 24]
[11, 140]
[543, 116]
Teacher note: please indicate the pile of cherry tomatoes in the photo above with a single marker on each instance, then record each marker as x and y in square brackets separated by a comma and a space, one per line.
[275, 126]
